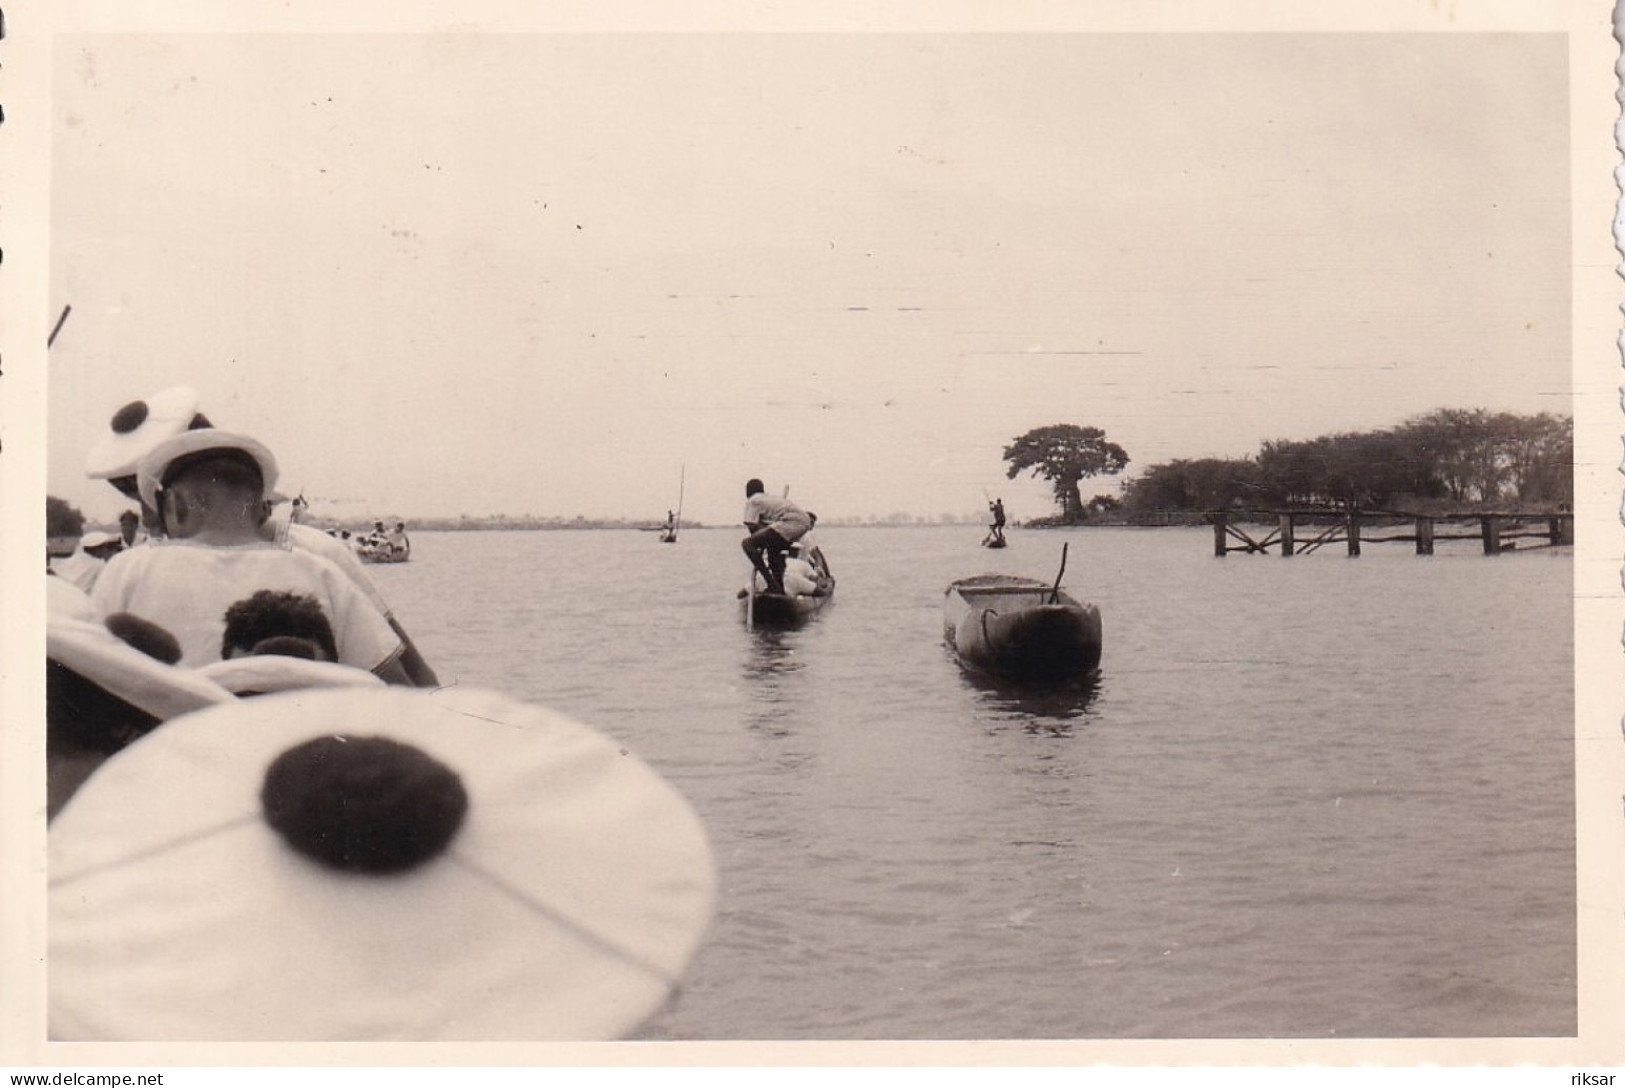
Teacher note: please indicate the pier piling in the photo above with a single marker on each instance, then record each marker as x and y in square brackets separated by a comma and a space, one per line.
[1424, 536]
[1497, 532]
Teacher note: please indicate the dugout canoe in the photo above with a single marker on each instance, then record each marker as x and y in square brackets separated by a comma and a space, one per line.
[764, 609]
[811, 586]
[1021, 629]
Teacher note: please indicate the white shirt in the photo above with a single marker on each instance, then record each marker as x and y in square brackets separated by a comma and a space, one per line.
[341, 553]
[186, 588]
[781, 515]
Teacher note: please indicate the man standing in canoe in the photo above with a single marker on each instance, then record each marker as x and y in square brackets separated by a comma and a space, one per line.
[774, 525]
[995, 531]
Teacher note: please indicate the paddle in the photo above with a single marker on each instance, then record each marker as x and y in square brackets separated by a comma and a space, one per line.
[1055, 591]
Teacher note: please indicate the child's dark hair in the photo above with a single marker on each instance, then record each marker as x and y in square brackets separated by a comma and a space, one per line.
[274, 614]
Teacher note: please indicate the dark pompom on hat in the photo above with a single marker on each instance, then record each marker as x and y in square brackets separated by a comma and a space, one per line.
[148, 637]
[363, 804]
[567, 906]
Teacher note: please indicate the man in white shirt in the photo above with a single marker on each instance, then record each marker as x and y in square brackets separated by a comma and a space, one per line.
[774, 524]
[140, 426]
[129, 527]
[206, 489]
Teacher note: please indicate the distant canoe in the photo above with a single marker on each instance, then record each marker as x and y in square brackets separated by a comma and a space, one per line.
[382, 554]
[1009, 627]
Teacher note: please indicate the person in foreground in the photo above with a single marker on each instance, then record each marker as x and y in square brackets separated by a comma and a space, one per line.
[140, 426]
[207, 490]
[774, 524]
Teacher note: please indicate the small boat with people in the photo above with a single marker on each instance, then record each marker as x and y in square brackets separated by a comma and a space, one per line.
[381, 553]
[1021, 630]
[383, 545]
[809, 585]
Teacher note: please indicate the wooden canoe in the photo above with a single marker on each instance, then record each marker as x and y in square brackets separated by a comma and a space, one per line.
[764, 609]
[1009, 627]
[381, 555]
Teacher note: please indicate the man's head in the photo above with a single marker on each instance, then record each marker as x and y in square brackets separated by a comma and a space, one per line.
[274, 622]
[753, 487]
[207, 477]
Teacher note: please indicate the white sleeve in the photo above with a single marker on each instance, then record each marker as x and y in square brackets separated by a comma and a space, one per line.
[341, 555]
[364, 637]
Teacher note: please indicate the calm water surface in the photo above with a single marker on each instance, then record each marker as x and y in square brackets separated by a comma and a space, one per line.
[1315, 797]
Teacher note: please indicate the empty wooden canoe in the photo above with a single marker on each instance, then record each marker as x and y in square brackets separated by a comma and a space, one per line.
[1020, 629]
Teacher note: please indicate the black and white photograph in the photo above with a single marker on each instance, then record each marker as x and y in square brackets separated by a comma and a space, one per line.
[1095, 529]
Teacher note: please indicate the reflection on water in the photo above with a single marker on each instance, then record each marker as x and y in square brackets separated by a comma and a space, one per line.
[1051, 709]
[773, 680]
[771, 654]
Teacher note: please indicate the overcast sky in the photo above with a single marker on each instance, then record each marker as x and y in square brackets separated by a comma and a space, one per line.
[549, 274]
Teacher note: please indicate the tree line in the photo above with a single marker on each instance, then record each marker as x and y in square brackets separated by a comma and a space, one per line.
[1448, 457]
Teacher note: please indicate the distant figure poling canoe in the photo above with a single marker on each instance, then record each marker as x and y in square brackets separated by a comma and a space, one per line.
[668, 534]
[995, 531]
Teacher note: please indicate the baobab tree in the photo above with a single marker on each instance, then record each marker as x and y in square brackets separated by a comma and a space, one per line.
[1065, 454]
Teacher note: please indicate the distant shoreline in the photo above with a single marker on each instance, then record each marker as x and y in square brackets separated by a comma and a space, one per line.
[1170, 519]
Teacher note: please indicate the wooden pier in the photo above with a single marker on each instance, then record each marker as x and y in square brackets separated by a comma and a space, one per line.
[1299, 532]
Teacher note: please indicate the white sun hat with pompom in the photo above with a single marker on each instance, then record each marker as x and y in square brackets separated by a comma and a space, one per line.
[372, 864]
[137, 428]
